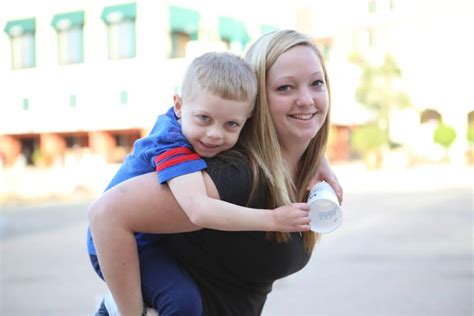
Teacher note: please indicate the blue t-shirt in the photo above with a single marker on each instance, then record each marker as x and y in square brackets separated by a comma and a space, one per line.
[165, 150]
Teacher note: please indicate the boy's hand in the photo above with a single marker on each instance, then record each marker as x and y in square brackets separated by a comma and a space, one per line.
[292, 218]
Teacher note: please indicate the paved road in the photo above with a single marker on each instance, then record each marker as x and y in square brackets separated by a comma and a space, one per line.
[398, 252]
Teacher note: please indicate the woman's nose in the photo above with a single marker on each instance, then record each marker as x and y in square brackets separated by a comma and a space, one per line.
[305, 98]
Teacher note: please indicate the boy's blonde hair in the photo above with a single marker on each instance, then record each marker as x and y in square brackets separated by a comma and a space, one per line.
[259, 138]
[221, 74]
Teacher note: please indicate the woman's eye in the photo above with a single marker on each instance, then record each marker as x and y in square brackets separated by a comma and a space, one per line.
[318, 83]
[284, 88]
[203, 118]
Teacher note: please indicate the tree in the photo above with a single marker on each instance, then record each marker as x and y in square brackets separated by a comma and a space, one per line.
[376, 89]
[368, 137]
[368, 140]
[444, 135]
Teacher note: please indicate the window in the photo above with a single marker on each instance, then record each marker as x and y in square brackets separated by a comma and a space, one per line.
[77, 140]
[371, 37]
[26, 104]
[372, 6]
[430, 115]
[233, 33]
[325, 45]
[123, 97]
[184, 25]
[366, 39]
[179, 40]
[120, 21]
[30, 148]
[69, 28]
[23, 43]
[72, 100]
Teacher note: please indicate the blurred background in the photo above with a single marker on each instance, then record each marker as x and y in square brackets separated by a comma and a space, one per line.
[82, 80]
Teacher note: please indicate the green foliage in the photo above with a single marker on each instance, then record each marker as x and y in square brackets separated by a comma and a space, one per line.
[376, 85]
[376, 89]
[444, 135]
[470, 133]
[368, 137]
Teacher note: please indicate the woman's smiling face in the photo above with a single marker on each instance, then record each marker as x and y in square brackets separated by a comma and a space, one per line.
[297, 95]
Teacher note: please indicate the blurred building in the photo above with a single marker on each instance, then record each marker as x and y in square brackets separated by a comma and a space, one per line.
[430, 41]
[90, 77]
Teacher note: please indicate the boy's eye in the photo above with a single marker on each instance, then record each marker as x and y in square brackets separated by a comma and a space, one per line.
[232, 124]
[203, 118]
[284, 88]
[317, 83]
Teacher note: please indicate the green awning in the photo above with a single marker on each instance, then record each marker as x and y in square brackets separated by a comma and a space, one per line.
[120, 12]
[18, 27]
[68, 20]
[233, 30]
[184, 20]
[265, 28]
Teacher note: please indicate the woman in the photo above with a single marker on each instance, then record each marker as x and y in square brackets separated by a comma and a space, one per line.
[279, 152]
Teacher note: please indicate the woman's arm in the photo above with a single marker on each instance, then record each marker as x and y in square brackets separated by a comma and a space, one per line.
[136, 205]
[204, 211]
[144, 206]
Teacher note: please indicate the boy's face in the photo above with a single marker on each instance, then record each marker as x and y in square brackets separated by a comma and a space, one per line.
[211, 124]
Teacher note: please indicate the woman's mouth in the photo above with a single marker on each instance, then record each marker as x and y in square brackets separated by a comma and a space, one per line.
[303, 116]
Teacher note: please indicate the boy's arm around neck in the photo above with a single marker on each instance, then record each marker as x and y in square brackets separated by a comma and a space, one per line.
[206, 210]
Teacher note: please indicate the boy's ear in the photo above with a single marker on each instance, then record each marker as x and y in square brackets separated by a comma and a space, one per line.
[178, 104]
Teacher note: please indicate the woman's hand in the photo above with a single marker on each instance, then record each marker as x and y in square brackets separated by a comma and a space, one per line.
[325, 173]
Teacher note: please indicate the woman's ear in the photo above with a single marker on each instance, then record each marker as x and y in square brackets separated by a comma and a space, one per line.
[178, 104]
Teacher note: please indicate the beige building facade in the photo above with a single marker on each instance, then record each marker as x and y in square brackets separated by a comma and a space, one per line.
[89, 77]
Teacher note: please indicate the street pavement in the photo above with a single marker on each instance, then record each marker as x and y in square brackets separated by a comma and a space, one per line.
[404, 248]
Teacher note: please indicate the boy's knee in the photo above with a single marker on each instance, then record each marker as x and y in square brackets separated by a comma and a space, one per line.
[101, 212]
[95, 213]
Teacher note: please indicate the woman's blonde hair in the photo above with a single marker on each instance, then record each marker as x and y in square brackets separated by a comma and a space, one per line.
[259, 138]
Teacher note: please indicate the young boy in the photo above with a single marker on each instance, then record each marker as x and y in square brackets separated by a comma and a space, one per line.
[217, 97]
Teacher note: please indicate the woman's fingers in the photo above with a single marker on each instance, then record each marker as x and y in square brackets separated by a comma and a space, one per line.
[337, 188]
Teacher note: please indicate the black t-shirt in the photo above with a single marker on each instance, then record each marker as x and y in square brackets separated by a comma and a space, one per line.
[235, 270]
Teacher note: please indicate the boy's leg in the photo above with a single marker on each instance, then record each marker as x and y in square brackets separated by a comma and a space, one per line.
[119, 267]
[166, 286]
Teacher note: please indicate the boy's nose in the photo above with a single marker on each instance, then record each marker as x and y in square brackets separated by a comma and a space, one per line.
[215, 133]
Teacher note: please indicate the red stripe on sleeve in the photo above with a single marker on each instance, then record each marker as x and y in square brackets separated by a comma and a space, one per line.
[173, 152]
[177, 160]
